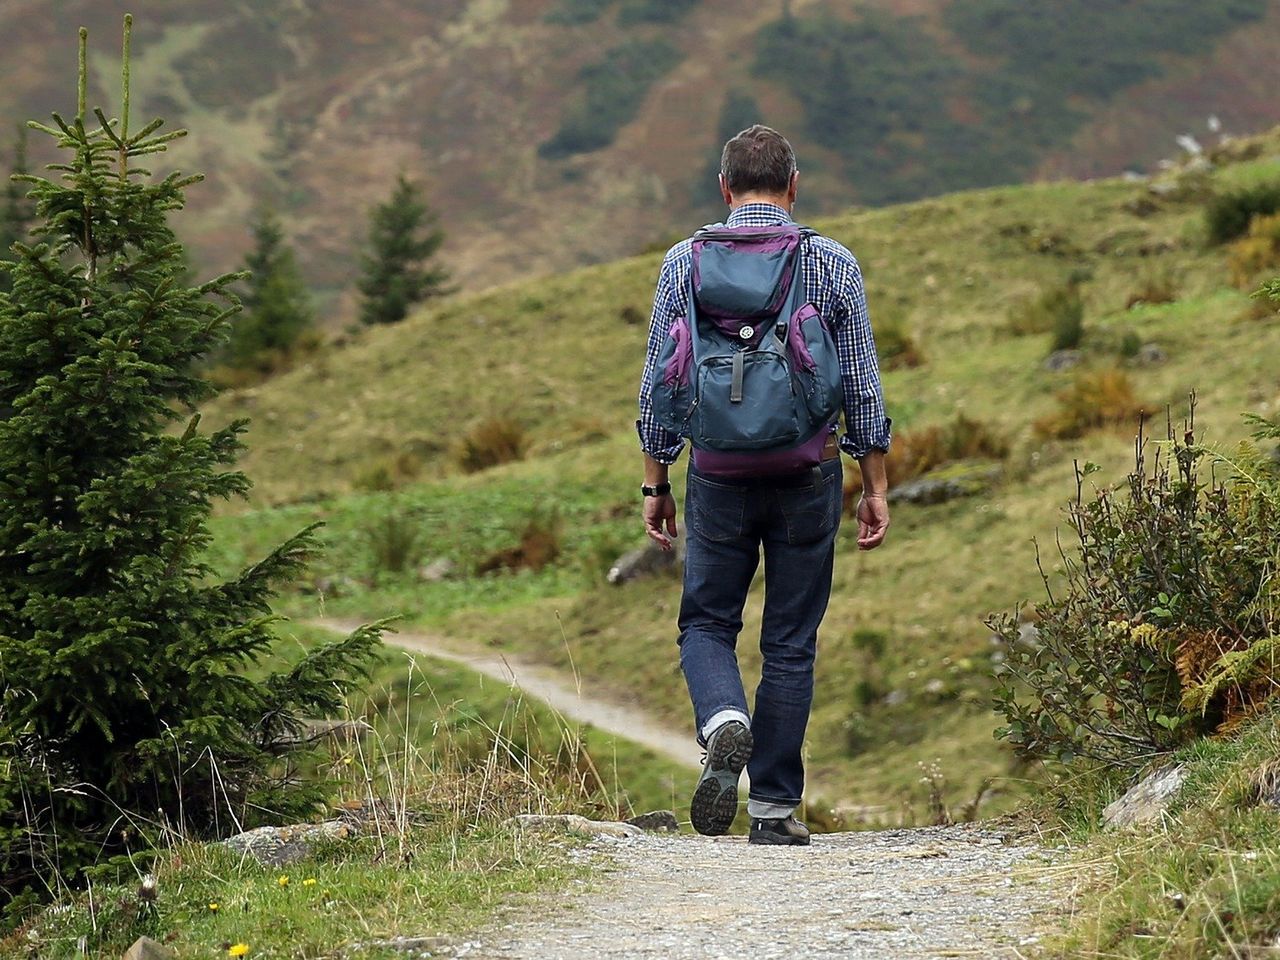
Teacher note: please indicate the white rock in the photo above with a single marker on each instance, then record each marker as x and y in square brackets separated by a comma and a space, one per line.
[1146, 800]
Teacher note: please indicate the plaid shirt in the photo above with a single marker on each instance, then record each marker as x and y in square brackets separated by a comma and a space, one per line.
[833, 284]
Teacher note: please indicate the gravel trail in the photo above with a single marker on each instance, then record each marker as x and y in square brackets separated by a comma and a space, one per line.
[963, 891]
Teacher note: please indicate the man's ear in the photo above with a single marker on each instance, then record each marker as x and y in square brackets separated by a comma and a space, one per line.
[725, 192]
[791, 189]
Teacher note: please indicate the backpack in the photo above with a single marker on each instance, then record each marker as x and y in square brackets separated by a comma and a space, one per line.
[749, 375]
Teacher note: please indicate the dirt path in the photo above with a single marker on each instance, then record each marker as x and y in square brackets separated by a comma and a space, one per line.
[964, 891]
[552, 688]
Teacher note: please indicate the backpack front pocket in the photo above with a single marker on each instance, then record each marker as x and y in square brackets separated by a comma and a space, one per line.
[746, 401]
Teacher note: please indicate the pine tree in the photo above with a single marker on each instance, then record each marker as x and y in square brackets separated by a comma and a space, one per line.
[15, 212]
[397, 270]
[126, 703]
[276, 305]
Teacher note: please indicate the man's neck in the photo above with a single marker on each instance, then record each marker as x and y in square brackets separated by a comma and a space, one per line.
[777, 201]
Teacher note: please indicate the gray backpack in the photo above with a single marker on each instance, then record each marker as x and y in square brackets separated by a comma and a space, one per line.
[750, 375]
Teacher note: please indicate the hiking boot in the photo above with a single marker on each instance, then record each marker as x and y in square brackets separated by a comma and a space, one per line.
[715, 801]
[787, 831]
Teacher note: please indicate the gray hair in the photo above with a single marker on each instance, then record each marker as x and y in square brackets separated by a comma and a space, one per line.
[758, 160]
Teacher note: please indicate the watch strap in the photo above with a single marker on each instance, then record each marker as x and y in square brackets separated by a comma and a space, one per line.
[661, 490]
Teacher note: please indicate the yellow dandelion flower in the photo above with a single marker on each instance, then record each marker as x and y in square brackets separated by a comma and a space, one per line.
[283, 881]
[215, 907]
[238, 949]
[309, 882]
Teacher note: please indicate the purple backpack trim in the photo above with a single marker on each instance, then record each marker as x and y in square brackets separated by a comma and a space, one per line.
[677, 368]
[771, 463]
[795, 335]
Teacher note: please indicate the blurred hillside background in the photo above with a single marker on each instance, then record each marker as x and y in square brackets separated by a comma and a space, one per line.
[554, 133]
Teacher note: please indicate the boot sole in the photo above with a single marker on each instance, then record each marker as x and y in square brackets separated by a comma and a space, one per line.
[715, 801]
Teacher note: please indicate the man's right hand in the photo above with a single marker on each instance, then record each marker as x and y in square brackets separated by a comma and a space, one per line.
[873, 521]
[660, 513]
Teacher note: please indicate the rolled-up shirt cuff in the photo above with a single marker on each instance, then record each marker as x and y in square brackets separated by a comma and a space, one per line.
[664, 453]
[858, 447]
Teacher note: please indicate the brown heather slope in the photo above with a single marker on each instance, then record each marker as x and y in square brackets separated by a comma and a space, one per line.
[313, 107]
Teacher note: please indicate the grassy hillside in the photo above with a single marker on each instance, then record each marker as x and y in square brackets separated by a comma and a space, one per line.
[594, 122]
[903, 672]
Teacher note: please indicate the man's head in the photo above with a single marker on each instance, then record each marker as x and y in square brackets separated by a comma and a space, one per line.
[758, 165]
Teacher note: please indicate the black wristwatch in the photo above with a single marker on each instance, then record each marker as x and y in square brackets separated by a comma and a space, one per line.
[661, 490]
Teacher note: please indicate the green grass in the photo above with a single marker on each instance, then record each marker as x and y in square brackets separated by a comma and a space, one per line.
[437, 879]
[951, 269]
[450, 715]
[1205, 883]
[452, 755]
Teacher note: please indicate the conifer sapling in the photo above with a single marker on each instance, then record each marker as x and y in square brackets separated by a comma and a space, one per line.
[397, 269]
[126, 701]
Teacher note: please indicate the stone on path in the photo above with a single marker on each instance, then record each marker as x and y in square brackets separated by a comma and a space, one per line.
[144, 948]
[1147, 799]
[572, 823]
[658, 821]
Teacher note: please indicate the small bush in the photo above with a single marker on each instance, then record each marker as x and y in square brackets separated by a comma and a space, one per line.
[632, 315]
[389, 473]
[395, 541]
[1068, 323]
[1157, 286]
[1167, 625]
[897, 348]
[1096, 398]
[1229, 215]
[492, 442]
[1056, 308]
[1130, 345]
[539, 546]
[915, 454]
[1256, 252]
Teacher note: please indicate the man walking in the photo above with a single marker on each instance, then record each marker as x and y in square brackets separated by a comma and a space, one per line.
[791, 509]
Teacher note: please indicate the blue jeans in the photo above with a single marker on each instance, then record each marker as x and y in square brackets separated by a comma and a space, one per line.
[727, 522]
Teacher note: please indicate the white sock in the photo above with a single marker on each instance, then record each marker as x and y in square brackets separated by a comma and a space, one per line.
[763, 810]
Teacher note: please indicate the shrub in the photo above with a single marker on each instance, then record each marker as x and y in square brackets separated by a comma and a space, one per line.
[897, 348]
[1068, 323]
[1166, 627]
[395, 541]
[389, 473]
[1130, 344]
[1057, 308]
[1229, 215]
[492, 442]
[1096, 398]
[539, 546]
[915, 454]
[1256, 252]
[632, 315]
[1157, 286]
